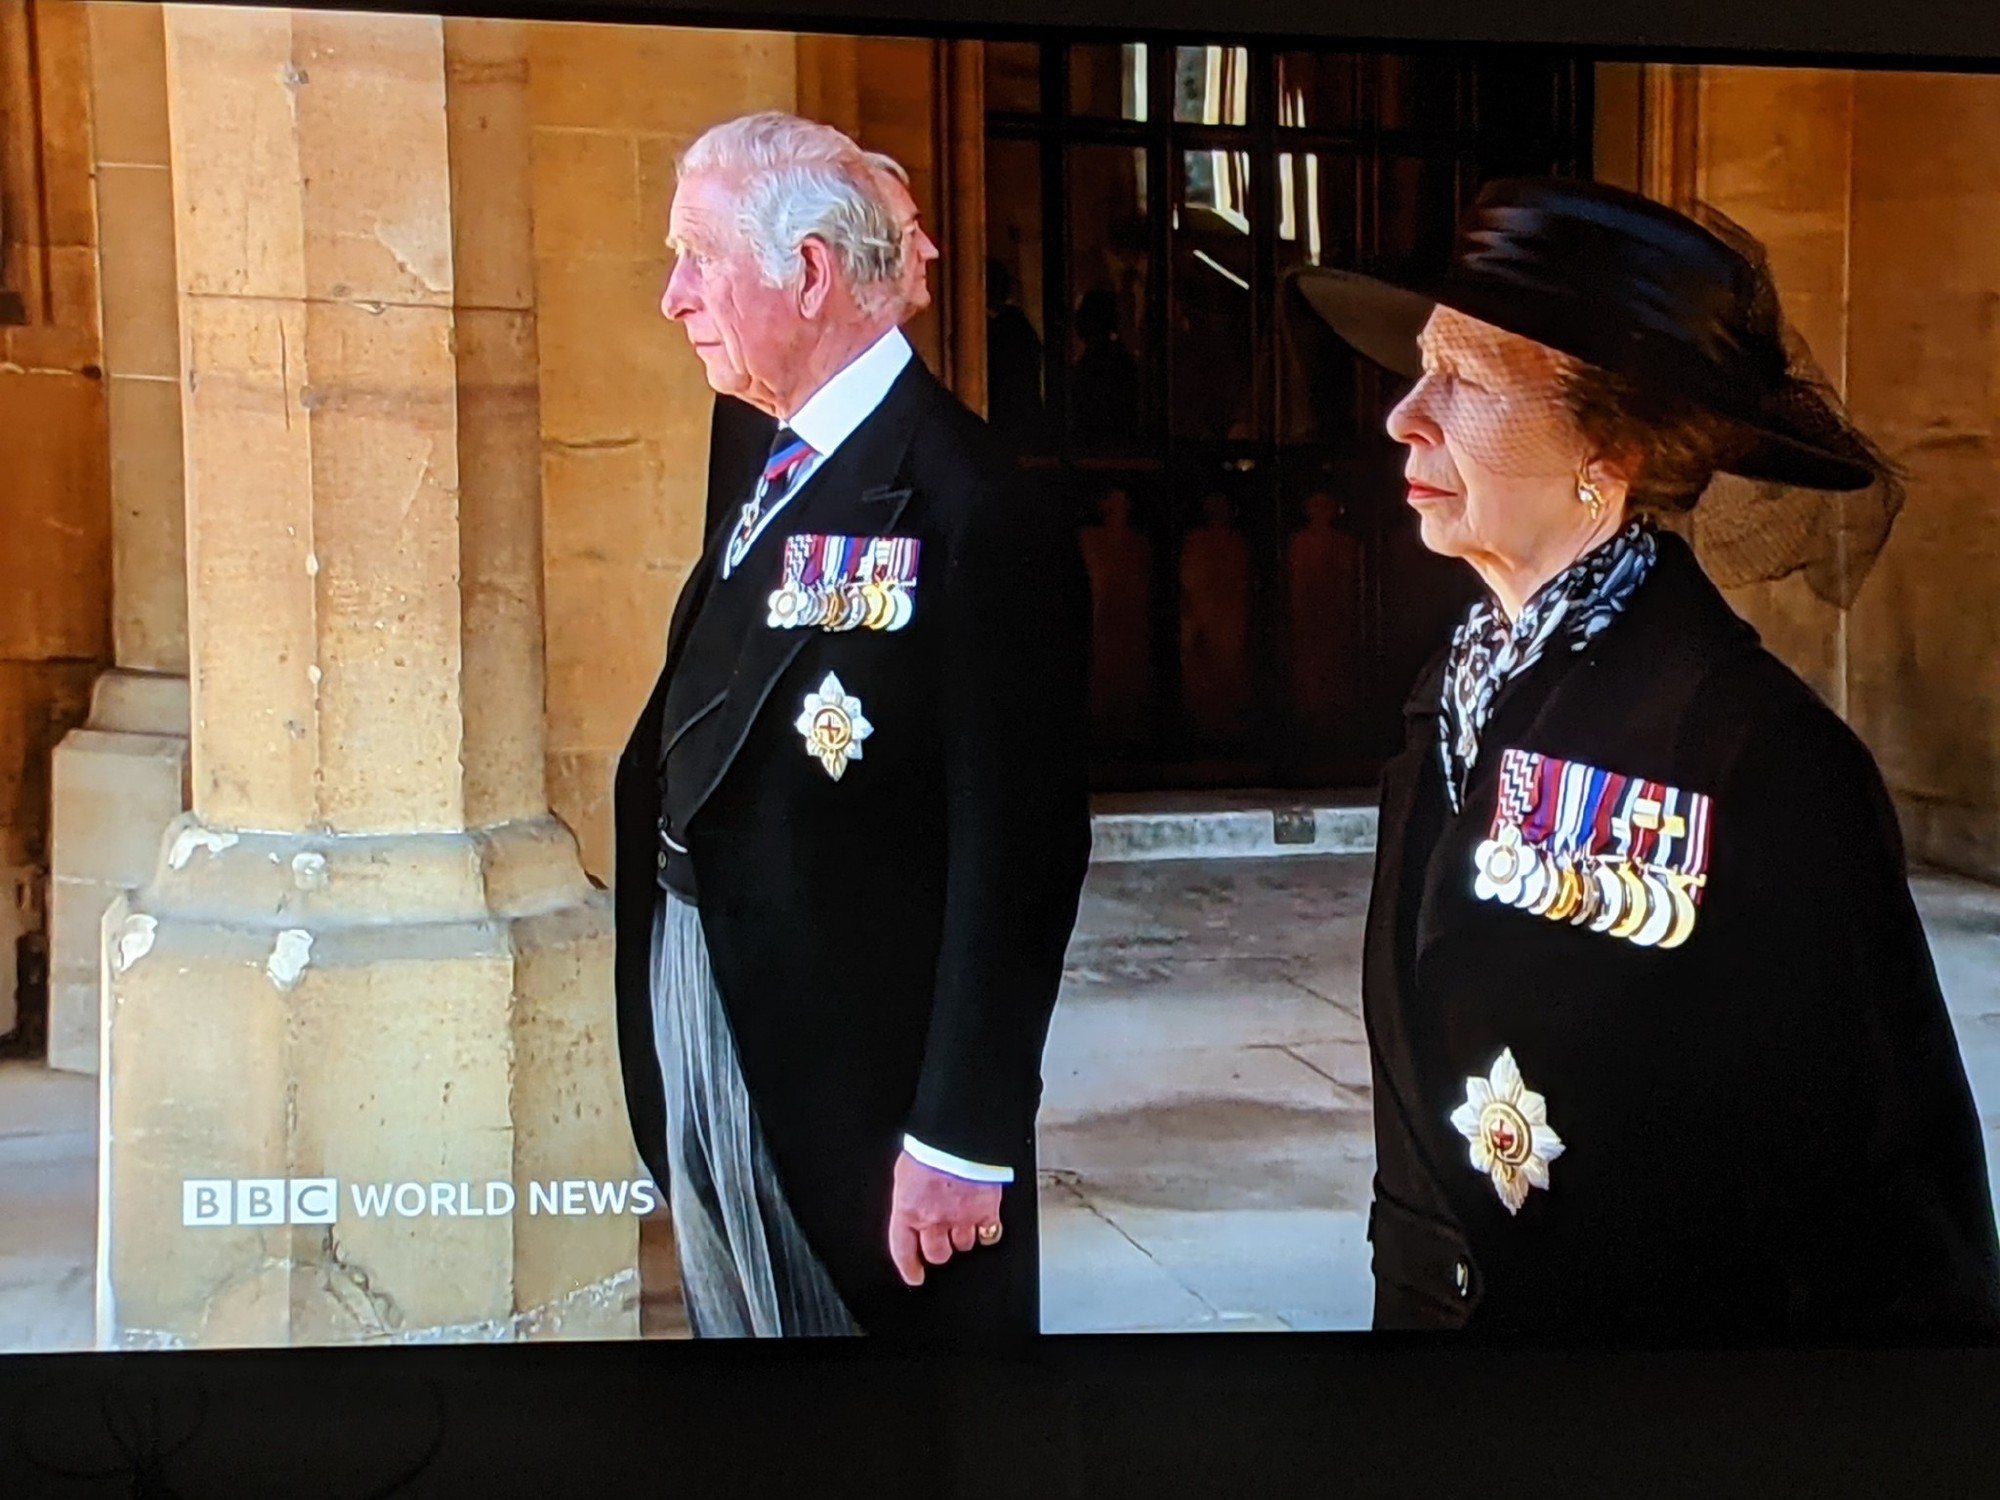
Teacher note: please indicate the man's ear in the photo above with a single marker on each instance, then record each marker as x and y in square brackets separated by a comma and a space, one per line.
[818, 273]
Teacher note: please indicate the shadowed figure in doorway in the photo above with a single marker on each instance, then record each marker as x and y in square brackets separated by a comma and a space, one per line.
[1013, 362]
[1120, 562]
[1216, 671]
[1323, 607]
[1104, 384]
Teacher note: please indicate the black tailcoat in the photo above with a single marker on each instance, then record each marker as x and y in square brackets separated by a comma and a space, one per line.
[889, 945]
[1768, 1130]
[739, 440]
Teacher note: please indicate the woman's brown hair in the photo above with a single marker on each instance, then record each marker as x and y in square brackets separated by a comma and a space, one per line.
[1669, 447]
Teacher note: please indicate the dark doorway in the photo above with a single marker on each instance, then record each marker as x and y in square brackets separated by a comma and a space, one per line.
[1262, 602]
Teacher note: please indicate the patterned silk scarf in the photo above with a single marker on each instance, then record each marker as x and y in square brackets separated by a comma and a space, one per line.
[1487, 652]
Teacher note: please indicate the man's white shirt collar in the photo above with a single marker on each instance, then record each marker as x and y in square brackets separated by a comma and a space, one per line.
[836, 409]
[829, 418]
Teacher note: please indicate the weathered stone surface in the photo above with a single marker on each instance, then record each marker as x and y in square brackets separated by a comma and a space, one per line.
[135, 207]
[252, 635]
[660, 80]
[128, 70]
[580, 785]
[376, 188]
[132, 702]
[386, 537]
[55, 574]
[370, 954]
[503, 682]
[1924, 643]
[136, 217]
[428, 1008]
[40, 702]
[114, 794]
[149, 614]
[116, 782]
[492, 220]
[115, 786]
[240, 217]
[1776, 147]
[1878, 196]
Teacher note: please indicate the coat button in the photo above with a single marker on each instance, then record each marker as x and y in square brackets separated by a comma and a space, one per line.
[663, 859]
[1462, 1274]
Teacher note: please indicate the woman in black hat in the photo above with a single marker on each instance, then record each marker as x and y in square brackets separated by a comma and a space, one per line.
[1659, 1048]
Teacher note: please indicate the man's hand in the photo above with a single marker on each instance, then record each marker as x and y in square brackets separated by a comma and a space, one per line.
[933, 1214]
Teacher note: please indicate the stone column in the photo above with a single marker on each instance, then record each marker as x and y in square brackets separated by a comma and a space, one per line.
[369, 954]
[117, 781]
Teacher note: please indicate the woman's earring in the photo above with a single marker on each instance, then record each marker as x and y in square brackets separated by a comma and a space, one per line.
[1587, 494]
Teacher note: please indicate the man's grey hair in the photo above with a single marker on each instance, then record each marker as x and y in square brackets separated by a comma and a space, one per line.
[796, 179]
[882, 161]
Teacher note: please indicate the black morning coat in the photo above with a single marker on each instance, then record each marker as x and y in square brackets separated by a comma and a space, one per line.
[888, 946]
[1769, 1134]
[739, 440]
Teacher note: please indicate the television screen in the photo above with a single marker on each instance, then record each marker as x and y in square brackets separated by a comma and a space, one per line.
[673, 682]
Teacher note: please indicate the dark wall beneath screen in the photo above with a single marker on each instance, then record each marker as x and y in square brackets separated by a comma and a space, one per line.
[1182, 1417]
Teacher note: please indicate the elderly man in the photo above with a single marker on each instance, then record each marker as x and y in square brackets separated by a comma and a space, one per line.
[739, 434]
[852, 820]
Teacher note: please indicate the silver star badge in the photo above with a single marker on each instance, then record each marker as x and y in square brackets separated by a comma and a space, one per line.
[833, 726]
[1507, 1127]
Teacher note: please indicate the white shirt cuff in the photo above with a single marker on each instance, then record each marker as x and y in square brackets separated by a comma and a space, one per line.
[955, 1166]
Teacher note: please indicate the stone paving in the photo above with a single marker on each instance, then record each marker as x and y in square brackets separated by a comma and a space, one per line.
[48, 1208]
[1205, 1134]
[1206, 1143]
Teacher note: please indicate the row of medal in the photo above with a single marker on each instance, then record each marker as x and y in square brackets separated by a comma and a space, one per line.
[1601, 850]
[1615, 895]
[840, 583]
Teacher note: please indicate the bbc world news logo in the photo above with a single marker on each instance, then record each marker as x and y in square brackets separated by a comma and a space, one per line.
[254, 1202]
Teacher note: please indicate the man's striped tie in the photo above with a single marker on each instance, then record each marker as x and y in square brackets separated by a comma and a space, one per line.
[788, 453]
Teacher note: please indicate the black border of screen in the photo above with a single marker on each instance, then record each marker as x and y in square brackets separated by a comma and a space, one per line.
[1913, 35]
[1339, 1414]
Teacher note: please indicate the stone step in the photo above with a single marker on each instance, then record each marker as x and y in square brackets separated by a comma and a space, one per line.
[1230, 825]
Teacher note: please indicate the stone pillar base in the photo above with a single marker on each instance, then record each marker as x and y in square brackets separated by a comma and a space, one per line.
[117, 782]
[422, 1021]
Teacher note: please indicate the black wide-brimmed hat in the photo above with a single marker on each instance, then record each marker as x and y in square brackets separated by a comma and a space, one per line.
[1631, 286]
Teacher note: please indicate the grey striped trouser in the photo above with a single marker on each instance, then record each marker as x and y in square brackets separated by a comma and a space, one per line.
[746, 1269]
